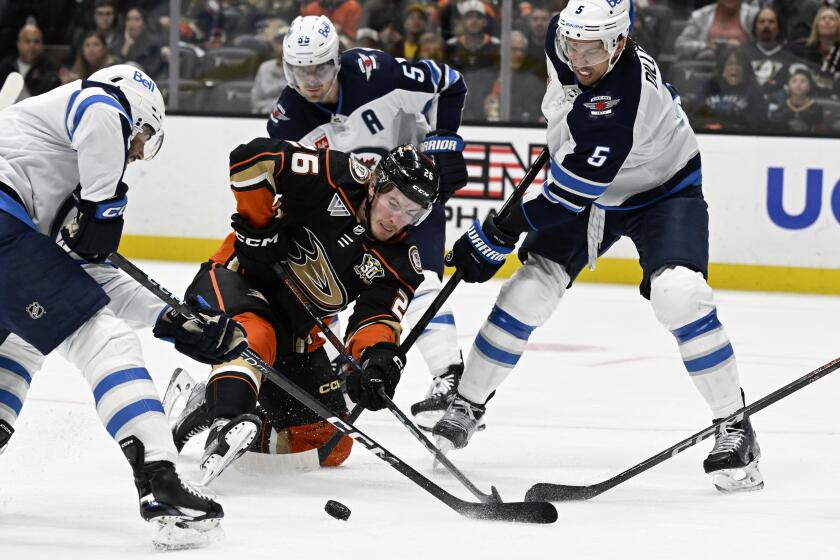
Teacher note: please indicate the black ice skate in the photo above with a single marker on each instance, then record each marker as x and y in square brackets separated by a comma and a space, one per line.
[194, 419]
[440, 394]
[181, 516]
[226, 442]
[733, 462]
[460, 421]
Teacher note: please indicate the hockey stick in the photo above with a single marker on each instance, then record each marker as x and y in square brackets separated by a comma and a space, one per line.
[566, 493]
[449, 287]
[11, 90]
[345, 354]
[522, 512]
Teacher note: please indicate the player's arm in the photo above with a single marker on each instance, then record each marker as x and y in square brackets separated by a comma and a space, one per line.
[374, 332]
[99, 130]
[287, 119]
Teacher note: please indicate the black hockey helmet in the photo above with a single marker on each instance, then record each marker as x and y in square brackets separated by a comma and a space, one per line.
[413, 173]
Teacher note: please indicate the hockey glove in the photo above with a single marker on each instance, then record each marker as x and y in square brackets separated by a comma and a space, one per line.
[96, 231]
[447, 148]
[481, 250]
[259, 248]
[382, 366]
[208, 335]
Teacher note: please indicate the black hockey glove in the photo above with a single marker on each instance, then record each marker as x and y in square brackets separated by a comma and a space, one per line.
[258, 249]
[96, 231]
[382, 366]
[447, 148]
[481, 250]
[215, 338]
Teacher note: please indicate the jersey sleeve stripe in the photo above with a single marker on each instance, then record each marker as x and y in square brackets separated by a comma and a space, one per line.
[435, 70]
[78, 109]
[252, 158]
[574, 183]
[555, 199]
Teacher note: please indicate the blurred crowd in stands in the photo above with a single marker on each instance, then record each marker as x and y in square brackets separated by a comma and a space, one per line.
[763, 66]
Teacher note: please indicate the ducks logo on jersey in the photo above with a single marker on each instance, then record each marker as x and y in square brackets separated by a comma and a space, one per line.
[314, 273]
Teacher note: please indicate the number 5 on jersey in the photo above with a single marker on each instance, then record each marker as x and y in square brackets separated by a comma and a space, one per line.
[599, 156]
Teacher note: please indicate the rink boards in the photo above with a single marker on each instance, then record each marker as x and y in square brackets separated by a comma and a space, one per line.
[774, 202]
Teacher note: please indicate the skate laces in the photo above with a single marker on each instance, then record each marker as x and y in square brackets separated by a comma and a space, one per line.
[463, 412]
[731, 440]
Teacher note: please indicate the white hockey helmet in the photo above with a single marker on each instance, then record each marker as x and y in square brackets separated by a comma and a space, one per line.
[145, 99]
[310, 51]
[607, 21]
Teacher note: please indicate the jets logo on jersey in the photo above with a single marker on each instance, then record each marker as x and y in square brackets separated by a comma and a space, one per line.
[337, 207]
[359, 171]
[370, 269]
[414, 259]
[279, 113]
[313, 272]
[601, 105]
[367, 64]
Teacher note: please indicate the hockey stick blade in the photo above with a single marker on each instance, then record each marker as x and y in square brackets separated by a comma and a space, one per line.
[11, 90]
[516, 512]
[521, 512]
[545, 491]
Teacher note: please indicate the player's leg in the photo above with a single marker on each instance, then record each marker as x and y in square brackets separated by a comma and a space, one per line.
[291, 427]
[231, 391]
[672, 238]
[525, 302]
[438, 343]
[19, 361]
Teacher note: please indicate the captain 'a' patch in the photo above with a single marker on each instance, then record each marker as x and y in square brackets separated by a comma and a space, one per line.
[370, 269]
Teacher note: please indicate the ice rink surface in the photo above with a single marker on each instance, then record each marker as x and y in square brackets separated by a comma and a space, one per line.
[601, 389]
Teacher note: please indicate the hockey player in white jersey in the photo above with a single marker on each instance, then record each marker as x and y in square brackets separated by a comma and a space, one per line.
[67, 149]
[624, 162]
[367, 102]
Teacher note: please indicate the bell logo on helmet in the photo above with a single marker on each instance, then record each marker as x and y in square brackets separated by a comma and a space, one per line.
[325, 30]
[144, 80]
[614, 3]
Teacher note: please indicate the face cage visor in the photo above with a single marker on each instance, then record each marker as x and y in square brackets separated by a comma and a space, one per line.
[398, 203]
[153, 140]
[584, 54]
[311, 77]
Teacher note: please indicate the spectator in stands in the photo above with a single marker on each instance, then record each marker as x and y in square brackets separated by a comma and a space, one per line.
[538, 21]
[476, 55]
[526, 90]
[270, 79]
[714, 28]
[734, 101]
[415, 23]
[344, 14]
[367, 38]
[651, 29]
[383, 16]
[210, 21]
[92, 56]
[137, 45]
[104, 18]
[796, 16]
[38, 74]
[800, 112]
[822, 48]
[770, 61]
[431, 47]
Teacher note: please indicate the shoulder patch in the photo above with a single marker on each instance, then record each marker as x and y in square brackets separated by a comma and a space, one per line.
[414, 259]
[367, 64]
[337, 207]
[359, 171]
[279, 113]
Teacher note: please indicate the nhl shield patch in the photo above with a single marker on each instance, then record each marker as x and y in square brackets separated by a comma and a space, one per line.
[414, 259]
[370, 269]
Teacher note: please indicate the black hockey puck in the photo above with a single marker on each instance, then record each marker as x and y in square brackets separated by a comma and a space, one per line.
[337, 510]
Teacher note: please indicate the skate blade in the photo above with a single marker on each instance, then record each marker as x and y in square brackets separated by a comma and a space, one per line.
[178, 391]
[175, 534]
[238, 438]
[445, 446]
[731, 481]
